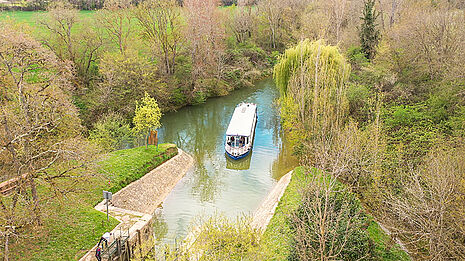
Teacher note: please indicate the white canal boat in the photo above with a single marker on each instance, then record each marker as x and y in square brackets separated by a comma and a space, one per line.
[241, 131]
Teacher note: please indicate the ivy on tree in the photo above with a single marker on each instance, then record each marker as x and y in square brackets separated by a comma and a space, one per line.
[147, 115]
[369, 33]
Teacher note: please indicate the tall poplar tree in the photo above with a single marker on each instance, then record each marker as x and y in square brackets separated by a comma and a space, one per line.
[369, 33]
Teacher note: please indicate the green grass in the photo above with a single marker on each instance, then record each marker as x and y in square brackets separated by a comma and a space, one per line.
[126, 166]
[278, 236]
[30, 17]
[71, 224]
[383, 246]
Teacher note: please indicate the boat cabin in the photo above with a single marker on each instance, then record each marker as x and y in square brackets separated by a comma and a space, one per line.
[241, 130]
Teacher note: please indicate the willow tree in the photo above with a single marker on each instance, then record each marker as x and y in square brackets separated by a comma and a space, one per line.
[311, 78]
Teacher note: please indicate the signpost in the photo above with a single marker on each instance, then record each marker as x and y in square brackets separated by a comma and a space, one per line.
[108, 196]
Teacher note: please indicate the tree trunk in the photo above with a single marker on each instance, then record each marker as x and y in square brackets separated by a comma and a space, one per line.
[35, 199]
[393, 13]
[7, 238]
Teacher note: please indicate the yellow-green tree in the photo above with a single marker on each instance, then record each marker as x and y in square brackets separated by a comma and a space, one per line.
[147, 115]
[311, 78]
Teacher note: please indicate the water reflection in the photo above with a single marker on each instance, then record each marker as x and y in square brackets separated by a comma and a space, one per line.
[241, 164]
[217, 184]
[160, 227]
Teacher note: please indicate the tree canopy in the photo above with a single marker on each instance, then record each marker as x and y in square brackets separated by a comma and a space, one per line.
[147, 115]
[311, 78]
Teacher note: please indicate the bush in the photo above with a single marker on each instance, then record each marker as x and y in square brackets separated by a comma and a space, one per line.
[199, 97]
[222, 239]
[361, 102]
[215, 238]
[111, 132]
[356, 57]
[329, 222]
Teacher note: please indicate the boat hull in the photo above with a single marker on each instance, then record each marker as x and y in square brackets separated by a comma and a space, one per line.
[238, 156]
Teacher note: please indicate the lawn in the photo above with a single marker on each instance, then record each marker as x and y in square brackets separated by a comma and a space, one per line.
[71, 224]
[30, 17]
[126, 166]
[277, 238]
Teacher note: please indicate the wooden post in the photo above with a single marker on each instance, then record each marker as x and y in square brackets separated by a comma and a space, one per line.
[118, 248]
[140, 242]
[130, 254]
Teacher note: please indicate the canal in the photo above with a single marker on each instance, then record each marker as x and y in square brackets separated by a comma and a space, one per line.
[217, 184]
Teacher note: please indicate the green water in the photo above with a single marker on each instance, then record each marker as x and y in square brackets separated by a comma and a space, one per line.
[218, 184]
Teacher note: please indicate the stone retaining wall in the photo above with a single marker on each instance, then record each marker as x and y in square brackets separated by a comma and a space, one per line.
[265, 211]
[135, 204]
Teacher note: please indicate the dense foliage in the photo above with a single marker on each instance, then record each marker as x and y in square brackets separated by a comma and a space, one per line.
[311, 78]
[403, 127]
[374, 98]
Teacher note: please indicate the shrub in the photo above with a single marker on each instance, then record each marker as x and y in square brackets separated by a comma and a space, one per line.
[356, 57]
[215, 238]
[329, 223]
[361, 100]
[111, 132]
[222, 239]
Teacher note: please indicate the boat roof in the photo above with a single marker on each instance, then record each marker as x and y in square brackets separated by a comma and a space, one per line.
[241, 123]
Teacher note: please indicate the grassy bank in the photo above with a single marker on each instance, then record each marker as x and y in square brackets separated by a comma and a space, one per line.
[126, 166]
[71, 224]
[278, 237]
[31, 17]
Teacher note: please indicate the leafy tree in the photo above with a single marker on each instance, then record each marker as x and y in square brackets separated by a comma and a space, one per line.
[429, 41]
[125, 79]
[241, 21]
[369, 33]
[116, 19]
[329, 223]
[60, 35]
[40, 132]
[205, 35]
[429, 211]
[111, 132]
[161, 25]
[311, 78]
[277, 19]
[147, 115]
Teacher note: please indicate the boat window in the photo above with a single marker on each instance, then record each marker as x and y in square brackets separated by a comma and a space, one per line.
[237, 141]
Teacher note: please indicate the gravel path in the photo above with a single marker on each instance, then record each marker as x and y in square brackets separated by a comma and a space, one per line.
[148, 192]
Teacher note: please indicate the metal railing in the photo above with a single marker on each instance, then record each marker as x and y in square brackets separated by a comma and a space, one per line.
[118, 248]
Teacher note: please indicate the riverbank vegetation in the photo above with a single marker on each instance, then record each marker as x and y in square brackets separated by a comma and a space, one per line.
[313, 203]
[389, 129]
[371, 94]
[70, 224]
[382, 115]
